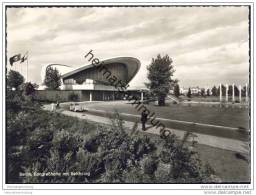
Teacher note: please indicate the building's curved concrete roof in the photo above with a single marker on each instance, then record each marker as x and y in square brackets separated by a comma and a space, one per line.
[63, 69]
[132, 64]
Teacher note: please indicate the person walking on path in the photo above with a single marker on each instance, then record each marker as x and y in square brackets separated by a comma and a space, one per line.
[57, 104]
[144, 118]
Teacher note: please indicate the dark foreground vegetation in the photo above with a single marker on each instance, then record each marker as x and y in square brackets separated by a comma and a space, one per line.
[47, 147]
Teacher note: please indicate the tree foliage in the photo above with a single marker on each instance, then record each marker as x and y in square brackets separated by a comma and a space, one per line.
[223, 90]
[14, 79]
[177, 90]
[214, 91]
[29, 88]
[208, 92]
[22, 96]
[52, 78]
[189, 93]
[230, 90]
[203, 92]
[160, 72]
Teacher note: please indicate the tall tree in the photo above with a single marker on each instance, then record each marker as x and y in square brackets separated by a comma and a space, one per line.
[230, 90]
[244, 91]
[177, 90]
[52, 78]
[223, 90]
[208, 92]
[203, 92]
[189, 93]
[236, 91]
[214, 91]
[159, 74]
[14, 79]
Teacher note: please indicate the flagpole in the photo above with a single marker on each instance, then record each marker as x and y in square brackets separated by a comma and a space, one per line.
[27, 66]
[21, 69]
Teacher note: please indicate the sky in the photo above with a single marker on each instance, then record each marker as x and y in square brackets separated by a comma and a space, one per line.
[208, 45]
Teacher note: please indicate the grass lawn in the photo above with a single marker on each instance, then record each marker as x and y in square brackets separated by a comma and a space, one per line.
[231, 117]
[226, 165]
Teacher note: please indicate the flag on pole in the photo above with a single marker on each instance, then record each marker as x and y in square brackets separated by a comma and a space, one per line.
[24, 58]
[15, 58]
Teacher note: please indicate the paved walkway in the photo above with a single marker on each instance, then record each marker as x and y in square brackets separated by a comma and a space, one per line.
[213, 141]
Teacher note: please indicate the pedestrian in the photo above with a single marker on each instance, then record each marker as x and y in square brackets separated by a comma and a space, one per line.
[57, 104]
[144, 118]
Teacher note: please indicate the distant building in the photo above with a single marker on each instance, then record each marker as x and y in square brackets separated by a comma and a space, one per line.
[183, 91]
[194, 90]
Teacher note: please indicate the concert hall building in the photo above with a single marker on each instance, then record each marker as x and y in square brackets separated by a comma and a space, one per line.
[94, 82]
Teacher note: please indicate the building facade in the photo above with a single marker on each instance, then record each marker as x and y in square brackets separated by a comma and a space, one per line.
[94, 82]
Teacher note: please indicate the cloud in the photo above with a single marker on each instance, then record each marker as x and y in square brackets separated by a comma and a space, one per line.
[201, 40]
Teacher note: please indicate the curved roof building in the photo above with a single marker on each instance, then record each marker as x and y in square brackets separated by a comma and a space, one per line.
[122, 69]
[95, 82]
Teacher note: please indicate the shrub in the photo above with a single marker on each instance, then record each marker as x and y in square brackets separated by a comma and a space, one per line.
[150, 165]
[39, 144]
[65, 142]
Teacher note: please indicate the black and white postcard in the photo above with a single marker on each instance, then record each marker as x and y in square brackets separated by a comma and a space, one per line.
[142, 94]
